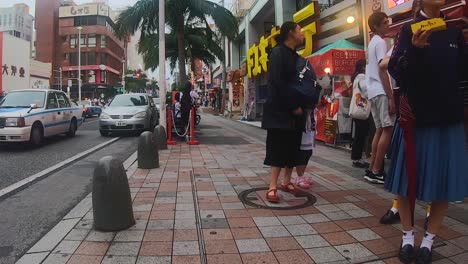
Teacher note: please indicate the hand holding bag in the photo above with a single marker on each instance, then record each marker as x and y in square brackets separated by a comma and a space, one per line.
[360, 106]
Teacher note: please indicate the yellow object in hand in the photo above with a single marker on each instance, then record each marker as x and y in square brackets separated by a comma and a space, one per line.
[435, 24]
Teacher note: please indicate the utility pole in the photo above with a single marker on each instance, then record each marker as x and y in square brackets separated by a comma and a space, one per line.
[79, 62]
[162, 63]
[60, 72]
[223, 83]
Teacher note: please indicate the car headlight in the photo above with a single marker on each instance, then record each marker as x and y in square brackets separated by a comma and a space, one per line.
[140, 115]
[105, 116]
[15, 122]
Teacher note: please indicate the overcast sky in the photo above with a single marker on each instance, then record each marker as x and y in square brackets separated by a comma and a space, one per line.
[115, 4]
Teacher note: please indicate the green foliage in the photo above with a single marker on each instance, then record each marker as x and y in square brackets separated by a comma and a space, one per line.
[188, 24]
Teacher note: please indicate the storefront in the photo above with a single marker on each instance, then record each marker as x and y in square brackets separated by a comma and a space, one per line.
[337, 60]
[14, 63]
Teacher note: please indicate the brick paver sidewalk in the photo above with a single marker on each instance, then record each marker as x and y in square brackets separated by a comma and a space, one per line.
[188, 211]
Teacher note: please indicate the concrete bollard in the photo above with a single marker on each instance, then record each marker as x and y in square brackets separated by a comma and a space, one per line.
[161, 137]
[112, 202]
[148, 156]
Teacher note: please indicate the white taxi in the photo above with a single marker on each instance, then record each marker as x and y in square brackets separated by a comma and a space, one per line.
[30, 115]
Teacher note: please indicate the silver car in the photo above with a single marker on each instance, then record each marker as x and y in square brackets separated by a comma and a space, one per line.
[128, 113]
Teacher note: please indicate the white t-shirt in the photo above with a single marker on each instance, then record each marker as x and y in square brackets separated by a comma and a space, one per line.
[360, 82]
[376, 52]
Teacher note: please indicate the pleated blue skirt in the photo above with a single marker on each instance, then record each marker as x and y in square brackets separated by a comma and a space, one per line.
[442, 164]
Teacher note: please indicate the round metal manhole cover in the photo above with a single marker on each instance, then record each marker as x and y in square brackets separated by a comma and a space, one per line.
[256, 198]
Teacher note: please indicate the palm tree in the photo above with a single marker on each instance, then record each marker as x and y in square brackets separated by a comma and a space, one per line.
[144, 15]
[199, 44]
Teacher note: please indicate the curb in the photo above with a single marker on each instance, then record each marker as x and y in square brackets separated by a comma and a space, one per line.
[42, 248]
[18, 186]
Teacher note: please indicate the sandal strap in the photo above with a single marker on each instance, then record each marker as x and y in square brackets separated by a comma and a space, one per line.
[272, 190]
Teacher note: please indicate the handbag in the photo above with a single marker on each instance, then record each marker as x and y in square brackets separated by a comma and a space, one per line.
[305, 84]
[359, 110]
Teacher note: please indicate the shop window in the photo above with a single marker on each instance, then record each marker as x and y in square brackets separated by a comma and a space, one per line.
[92, 40]
[104, 58]
[91, 58]
[242, 51]
[73, 41]
[103, 41]
[83, 40]
[73, 59]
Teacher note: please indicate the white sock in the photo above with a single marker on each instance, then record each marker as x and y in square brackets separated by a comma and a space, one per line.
[408, 238]
[428, 240]
[394, 210]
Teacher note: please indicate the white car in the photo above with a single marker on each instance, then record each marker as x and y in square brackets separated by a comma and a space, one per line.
[30, 115]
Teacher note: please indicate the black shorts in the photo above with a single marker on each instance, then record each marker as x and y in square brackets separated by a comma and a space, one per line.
[303, 157]
[282, 146]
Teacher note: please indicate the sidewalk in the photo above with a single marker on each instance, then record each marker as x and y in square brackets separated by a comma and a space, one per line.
[188, 211]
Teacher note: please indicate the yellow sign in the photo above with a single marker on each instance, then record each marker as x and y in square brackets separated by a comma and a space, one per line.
[257, 56]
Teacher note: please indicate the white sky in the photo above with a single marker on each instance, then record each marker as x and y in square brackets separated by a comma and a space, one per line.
[114, 4]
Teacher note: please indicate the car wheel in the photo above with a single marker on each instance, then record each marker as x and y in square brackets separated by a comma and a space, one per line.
[104, 133]
[37, 135]
[72, 129]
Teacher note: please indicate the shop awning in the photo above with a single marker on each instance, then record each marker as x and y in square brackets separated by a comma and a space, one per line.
[339, 58]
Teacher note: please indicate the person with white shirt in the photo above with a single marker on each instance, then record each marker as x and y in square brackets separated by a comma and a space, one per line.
[380, 95]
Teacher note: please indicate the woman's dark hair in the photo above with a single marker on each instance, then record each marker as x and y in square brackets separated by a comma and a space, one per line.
[284, 32]
[358, 69]
[375, 20]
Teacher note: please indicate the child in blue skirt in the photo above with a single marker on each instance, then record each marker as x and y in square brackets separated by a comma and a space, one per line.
[431, 164]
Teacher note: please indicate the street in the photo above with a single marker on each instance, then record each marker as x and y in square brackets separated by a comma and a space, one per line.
[20, 160]
[30, 213]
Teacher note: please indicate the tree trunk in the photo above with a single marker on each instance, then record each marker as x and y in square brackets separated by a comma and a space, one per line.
[181, 50]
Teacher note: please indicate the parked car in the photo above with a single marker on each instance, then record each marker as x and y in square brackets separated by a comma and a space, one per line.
[128, 113]
[157, 102]
[89, 109]
[30, 115]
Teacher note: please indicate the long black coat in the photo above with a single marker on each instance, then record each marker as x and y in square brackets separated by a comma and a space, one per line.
[282, 100]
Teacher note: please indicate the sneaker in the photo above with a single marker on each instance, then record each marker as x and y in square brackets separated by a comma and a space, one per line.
[301, 182]
[360, 164]
[375, 178]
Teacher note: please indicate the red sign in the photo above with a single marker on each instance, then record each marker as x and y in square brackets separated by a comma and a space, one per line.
[340, 62]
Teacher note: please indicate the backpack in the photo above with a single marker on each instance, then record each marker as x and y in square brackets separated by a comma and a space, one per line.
[305, 83]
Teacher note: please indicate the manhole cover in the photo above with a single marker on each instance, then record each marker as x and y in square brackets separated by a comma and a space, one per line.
[249, 197]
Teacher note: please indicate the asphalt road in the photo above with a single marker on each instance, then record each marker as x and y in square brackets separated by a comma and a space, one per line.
[29, 214]
[19, 161]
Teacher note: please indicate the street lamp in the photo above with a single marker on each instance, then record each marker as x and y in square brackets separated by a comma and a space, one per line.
[79, 62]
[350, 19]
[162, 62]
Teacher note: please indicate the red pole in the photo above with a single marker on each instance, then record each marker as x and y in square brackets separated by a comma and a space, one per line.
[170, 141]
[192, 140]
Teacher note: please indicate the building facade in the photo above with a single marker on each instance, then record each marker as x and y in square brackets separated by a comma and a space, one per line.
[66, 27]
[17, 21]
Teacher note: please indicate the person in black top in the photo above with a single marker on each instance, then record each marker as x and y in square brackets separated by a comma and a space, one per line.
[282, 115]
[433, 166]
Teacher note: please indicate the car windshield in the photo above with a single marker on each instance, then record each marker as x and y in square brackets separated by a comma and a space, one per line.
[23, 99]
[129, 100]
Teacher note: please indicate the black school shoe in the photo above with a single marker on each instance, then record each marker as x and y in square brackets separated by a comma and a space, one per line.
[424, 256]
[406, 254]
[375, 178]
[390, 218]
[360, 164]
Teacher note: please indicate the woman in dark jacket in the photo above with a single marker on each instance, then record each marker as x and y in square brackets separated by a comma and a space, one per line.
[433, 165]
[282, 112]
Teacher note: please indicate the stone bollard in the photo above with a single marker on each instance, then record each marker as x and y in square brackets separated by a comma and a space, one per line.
[112, 202]
[148, 157]
[161, 137]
